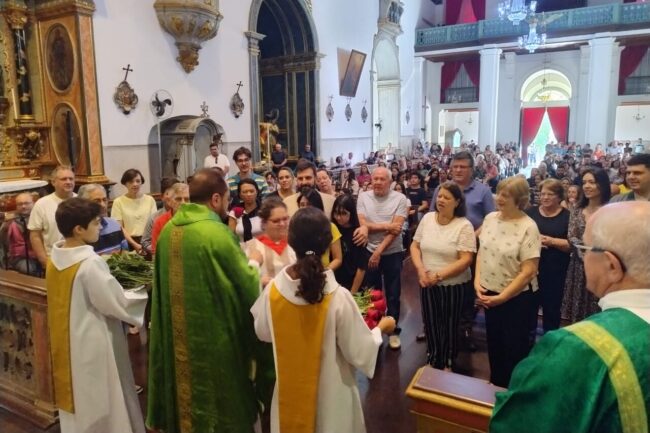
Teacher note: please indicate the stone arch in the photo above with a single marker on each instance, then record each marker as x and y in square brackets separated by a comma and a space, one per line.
[556, 81]
[283, 53]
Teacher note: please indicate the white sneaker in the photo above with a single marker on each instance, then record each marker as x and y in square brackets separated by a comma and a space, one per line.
[394, 342]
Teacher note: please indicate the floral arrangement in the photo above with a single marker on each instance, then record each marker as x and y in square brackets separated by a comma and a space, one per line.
[372, 305]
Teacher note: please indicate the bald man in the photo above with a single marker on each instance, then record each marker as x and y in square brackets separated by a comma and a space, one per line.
[382, 213]
[20, 254]
[593, 376]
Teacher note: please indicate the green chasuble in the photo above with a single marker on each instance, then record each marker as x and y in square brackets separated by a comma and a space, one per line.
[203, 350]
[593, 376]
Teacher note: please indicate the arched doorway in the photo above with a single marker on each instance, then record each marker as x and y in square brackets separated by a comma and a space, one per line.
[386, 90]
[284, 63]
[545, 104]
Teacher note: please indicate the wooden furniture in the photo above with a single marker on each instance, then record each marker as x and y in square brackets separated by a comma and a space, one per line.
[26, 387]
[450, 403]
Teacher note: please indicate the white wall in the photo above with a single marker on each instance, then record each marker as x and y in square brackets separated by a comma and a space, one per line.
[460, 120]
[630, 129]
[127, 32]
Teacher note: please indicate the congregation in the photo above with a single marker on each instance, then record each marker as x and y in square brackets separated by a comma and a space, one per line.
[282, 252]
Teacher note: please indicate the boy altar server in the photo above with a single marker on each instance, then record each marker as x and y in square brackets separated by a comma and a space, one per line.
[93, 381]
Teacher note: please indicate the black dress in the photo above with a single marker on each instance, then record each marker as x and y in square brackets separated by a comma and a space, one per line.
[553, 265]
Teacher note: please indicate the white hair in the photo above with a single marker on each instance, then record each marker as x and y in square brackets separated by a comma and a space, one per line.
[179, 187]
[86, 190]
[624, 229]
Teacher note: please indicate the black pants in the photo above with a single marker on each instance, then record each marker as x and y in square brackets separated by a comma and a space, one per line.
[441, 307]
[549, 295]
[507, 327]
[387, 276]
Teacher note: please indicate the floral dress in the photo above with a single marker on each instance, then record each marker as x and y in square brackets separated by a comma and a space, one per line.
[578, 302]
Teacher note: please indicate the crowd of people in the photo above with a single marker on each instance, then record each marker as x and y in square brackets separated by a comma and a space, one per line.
[292, 246]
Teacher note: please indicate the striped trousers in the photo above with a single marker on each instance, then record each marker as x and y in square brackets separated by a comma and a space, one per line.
[441, 310]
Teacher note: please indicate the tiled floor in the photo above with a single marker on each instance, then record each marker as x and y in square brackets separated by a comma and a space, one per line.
[385, 405]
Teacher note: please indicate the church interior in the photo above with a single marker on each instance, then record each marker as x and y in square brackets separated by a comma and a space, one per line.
[108, 85]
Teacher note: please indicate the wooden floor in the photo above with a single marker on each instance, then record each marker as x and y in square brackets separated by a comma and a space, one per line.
[385, 406]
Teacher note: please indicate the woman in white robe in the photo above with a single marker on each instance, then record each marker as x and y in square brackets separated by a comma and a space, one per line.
[324, 357]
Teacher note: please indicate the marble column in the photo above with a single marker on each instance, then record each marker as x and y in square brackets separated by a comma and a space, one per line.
[417, 113]
[488, 96]
[253, 63]
[599, 91]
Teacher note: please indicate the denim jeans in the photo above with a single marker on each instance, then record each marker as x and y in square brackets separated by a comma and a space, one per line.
[390, 268]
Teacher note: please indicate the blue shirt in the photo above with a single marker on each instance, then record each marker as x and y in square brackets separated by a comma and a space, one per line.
[478, 201]
[111, 238]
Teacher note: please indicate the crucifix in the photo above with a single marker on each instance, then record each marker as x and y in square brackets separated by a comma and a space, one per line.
[127, 69]
[204, 109]
[239, 85]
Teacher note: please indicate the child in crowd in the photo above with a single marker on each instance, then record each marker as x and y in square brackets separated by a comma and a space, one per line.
[93, 380]
[355, 258]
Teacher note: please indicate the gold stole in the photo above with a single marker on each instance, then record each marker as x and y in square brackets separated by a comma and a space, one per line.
[298, 337]
[59, 292]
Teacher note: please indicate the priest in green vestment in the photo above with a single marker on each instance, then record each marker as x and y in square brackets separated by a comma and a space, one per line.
[207, 370]
[593, 376]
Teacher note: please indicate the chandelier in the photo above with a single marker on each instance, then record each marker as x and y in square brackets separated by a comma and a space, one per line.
[516, 10]
[532, 40]
[470, 121]
[638, 116]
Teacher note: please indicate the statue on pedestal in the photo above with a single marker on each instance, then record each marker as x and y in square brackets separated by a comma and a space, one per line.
[269, 132]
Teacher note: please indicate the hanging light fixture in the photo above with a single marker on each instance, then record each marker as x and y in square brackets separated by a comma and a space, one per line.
[470, 121]
[532, 40]
[638, 116]
[516, 10]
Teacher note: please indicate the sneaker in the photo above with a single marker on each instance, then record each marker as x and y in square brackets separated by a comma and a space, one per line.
[138, 389]
[421, 337]
[394, 342]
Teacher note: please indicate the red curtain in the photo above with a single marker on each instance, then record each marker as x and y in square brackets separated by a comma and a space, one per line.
[531, 119]
[479, 9]
[466, 13]
[559, 117]
[452, 11]
[631, 57]
[449, 72]
[473, 68]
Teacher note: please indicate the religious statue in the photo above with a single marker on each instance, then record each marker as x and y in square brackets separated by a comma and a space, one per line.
[269, 132]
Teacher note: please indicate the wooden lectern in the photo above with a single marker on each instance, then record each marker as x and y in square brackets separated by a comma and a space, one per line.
[445, 402]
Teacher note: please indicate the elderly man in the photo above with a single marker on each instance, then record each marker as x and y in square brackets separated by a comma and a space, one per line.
[111, 237]
[180, 193]
[20, 254]
[593, 376]
[382, 213]
[43, 231]
[637, 175]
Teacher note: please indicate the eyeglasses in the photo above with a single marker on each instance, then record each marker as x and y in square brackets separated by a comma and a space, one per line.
[581, 250]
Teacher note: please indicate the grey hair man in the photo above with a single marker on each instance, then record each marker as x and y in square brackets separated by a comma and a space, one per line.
[606, 356]
[382, 213]
[111, 237]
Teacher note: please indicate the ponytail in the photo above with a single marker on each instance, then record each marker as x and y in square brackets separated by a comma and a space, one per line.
[310, 270]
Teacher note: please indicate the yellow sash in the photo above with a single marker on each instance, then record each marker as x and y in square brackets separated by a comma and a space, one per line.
[59, 292]
[298, 337]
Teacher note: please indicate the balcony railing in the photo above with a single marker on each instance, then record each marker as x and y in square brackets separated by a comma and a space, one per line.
[615, 16]
[455, 95]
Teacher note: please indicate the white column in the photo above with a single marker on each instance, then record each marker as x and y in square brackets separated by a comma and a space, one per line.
[599, 91]
[488, 97]
[419, 77]
[509, 102]
[389, 112]
[434, 73]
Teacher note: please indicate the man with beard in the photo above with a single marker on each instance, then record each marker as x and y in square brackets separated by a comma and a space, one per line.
[207, 370]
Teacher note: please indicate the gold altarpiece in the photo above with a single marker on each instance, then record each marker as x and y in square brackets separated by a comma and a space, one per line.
[49, 112]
